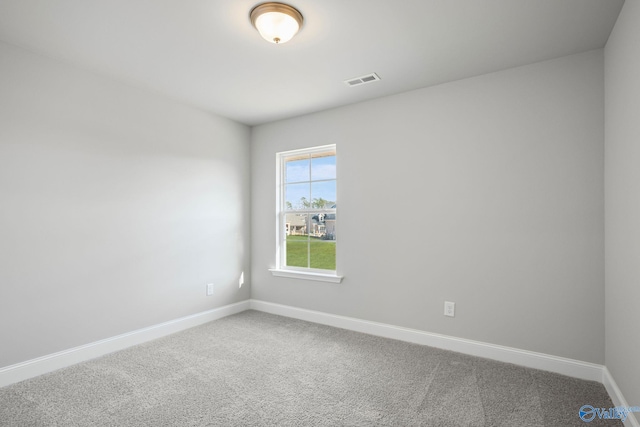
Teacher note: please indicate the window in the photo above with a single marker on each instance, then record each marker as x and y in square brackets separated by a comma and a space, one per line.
[306, 212]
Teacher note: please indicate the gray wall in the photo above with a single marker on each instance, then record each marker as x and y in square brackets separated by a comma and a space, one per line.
[487, 192]
[117, 206]
[622, 183]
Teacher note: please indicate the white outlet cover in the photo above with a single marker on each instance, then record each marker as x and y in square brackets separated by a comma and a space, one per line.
[210, 289]
[449, 309]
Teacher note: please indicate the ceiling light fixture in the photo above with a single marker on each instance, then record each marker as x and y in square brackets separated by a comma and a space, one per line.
[276, 22]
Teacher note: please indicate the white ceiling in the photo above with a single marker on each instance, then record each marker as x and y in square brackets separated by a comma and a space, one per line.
[206, 53]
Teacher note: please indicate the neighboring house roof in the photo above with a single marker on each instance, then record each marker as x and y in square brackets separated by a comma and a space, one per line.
[327, 217]
[299, 219]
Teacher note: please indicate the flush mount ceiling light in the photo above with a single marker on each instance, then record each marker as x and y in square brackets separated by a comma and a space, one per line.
[276, 22]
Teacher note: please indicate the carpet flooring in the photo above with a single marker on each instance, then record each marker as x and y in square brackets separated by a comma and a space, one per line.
[257, 369]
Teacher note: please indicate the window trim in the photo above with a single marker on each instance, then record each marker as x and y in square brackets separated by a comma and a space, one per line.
[306, 275]
[282, 270]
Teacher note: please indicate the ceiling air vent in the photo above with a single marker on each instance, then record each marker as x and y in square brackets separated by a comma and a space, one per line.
[373, 77]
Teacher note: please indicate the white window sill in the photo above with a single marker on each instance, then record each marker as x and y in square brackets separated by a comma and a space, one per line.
[320, 277]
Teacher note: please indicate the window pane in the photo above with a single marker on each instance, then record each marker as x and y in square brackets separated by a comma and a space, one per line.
[307, 196]
[322, 241]
[323, 167]
[297, 170]
[297, 196]
[323, 194]
[297, 240]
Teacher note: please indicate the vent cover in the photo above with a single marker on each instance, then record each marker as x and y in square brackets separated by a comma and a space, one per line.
[373, 77]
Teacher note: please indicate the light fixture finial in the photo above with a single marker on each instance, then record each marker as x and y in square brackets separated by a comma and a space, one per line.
[276, 22]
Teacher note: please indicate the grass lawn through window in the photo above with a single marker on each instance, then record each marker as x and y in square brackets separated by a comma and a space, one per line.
[323, 252]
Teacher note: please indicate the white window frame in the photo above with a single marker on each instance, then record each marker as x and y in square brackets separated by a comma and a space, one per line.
[281, 269]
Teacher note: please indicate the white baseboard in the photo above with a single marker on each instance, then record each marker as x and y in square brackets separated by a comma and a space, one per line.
[530, 359]
[617, 397]
[41, 365]
[570, 367]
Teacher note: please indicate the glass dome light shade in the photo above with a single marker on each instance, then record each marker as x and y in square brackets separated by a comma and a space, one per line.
[276, 22]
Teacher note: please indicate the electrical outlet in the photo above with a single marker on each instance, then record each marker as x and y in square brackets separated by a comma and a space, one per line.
[209, 289]
[449, 309]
